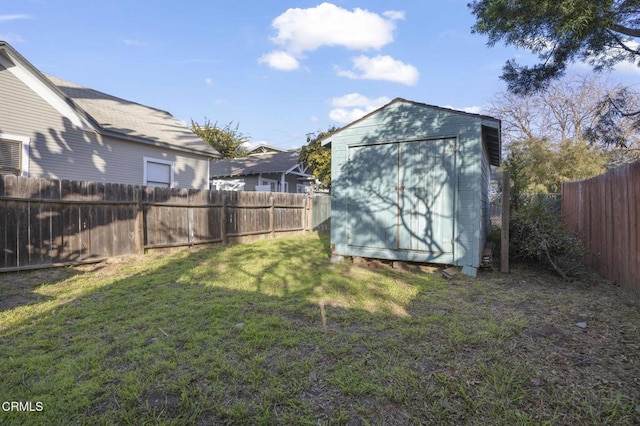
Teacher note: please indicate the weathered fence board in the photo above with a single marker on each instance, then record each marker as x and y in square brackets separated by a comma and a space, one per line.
[321, 213]
[45, 222]
[604, 210]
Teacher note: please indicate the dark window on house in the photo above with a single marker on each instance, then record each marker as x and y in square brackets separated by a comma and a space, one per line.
[10, 157]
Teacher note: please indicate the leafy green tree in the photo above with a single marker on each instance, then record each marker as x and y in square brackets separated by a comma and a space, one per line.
[536, 166]
[530, 164]
[578, 160]
[318, 157]
[227, 140]
[601, 33]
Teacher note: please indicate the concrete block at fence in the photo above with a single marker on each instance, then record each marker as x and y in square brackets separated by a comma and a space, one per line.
[335, 259]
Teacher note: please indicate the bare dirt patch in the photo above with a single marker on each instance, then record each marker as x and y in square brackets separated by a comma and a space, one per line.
[584, 333]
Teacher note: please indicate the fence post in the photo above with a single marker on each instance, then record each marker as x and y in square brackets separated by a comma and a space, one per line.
[504, 232]
[223, 218]
[140, 223]
[307, 208]
[272, 211]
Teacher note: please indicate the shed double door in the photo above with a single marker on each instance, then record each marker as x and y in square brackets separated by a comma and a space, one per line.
[401, 197]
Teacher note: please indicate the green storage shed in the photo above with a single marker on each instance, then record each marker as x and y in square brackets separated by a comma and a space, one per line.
[410, 182]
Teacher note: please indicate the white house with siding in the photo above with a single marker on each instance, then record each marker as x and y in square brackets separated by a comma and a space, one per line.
[56, 129]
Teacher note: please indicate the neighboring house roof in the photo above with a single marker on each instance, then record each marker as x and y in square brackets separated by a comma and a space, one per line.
[263, 148]
[270, 162]
[492, 135]
[106, 114]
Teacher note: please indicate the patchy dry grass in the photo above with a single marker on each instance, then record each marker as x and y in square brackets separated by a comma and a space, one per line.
[271, 333]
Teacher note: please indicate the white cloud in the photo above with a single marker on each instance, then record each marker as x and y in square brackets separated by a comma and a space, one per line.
[475, 109]
[394, 15]
[382, 67]
[280, 60]
[627, 68]
[251, 145]
[624, 67]
[5, 18]
[208, 81]
[305, 30]
[135, 43]
[353, 106]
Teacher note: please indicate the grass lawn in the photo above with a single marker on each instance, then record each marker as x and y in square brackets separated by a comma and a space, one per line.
[272, 333]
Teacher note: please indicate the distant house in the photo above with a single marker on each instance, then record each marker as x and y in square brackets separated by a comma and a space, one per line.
[264, 148]
[271, 171]
[56, 129]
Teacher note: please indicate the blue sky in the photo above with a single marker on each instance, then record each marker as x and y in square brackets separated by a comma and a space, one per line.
[279, 69]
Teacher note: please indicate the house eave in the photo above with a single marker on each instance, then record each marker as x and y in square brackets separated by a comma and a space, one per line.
[15, 63]
[235, 175]
[156, 143]
[22, 69]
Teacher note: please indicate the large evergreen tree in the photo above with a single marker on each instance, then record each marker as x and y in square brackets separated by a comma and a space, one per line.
[601, 33]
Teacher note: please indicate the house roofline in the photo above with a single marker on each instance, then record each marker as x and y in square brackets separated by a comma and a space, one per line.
[149, 141]
[14, 56]
[262, 172]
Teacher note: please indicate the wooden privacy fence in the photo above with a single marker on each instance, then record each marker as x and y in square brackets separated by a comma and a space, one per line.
[46, 222]
[321, 213]
[605, 210]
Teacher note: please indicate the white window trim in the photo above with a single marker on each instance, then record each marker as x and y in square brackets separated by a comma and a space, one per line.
[265, 181]
[159, 161]
[24, 143]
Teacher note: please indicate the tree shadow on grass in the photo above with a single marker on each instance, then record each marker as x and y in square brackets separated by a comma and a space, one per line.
[216, 334]
[238, 335]
[19, 288]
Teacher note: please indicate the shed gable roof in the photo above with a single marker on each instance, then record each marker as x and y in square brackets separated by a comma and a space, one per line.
[490, 125]
[106, 114]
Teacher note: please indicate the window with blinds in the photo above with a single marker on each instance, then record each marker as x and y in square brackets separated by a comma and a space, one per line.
[158, 172]
[10, 157]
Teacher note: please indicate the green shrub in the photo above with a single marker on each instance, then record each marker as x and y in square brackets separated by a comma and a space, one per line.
[538, 235]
